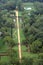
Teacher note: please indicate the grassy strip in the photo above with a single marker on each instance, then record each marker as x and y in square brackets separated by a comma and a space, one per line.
[15, 38]
[29, 4]
[5, 59]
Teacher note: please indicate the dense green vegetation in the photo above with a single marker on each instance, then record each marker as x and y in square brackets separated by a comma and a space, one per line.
[33, 28]
[31, 32]
[32, 0]
[10, 4]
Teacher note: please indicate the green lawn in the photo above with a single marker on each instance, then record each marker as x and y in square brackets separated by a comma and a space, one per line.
[22, 37]
[5, 59]
[4, 48]
[15, 48]
[29, 4]
[1, 41]
[25, 53]
[15, 36]
[20, 13]
[29, 55]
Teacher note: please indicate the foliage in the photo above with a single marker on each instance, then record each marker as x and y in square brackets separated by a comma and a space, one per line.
[33, 27]
[39, 7]
[27, 61]
[10, 4]
[32, 0]
[36, 46]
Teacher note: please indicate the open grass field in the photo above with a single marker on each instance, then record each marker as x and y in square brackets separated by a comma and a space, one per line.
[15, 38]
[29, 4]
[5, 59]
[30, 55]
[22, 35]
[20, 13]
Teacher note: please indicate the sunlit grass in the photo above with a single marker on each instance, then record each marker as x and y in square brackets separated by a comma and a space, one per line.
[5, 59]
[22, 37]
[15, 36]
[29, 4]
[29, 55]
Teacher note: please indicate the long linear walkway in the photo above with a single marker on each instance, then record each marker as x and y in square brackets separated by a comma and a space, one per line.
[18, 31]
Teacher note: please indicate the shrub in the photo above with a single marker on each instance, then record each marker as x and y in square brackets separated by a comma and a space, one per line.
[27, 61]
[41, 56]
[36, 46]
[38, 62]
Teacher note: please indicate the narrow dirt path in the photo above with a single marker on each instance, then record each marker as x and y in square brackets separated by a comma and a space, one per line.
[18, 31]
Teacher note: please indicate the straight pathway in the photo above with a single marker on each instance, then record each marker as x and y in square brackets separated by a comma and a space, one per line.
[18, 31]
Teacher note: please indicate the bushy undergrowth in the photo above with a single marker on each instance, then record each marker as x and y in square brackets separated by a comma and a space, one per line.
[27, 61]
[33, 61]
